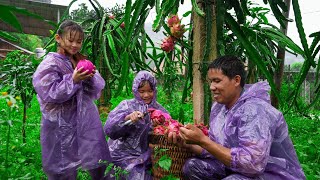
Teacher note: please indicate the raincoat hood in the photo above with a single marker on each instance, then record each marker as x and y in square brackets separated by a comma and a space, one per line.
[258, 90]
[141, 76]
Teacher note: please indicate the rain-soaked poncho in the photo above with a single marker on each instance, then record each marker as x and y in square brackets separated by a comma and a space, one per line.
[257, 135]
[71, 130]
[128, 144]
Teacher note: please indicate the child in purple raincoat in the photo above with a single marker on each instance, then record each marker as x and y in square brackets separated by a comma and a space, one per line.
[248, 137]
[128, 126]
[71, 130]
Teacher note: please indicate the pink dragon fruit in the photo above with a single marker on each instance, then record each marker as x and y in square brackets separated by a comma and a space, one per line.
[159, 130]
[174, 126]
[168, 44]
[203, 128]
[86, 64]
[173, 19]
[168, 124]
[177, 30]
[157, 114]
[122, 25]
[111, 17]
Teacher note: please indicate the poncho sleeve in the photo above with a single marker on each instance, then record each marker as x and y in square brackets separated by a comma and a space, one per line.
[255, 139]
[94, 86]
[114, 127]
[52, 86]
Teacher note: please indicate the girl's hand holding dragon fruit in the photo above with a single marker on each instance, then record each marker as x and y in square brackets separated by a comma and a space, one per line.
[158, 117]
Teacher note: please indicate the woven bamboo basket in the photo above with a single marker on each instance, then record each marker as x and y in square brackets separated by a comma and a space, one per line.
[177, 154]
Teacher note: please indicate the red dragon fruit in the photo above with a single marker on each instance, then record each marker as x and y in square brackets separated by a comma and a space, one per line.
[122, 25]
[157, 114]
[168, 44]
[86, 64]
[173, 19]
[174, 126]
[168, 124]
[203, 128]
[159, 130]
[177, 30]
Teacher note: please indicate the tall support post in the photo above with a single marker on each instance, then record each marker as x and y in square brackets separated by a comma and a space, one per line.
[204, 51]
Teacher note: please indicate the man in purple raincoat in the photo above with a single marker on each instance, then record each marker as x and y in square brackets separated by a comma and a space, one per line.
[71, 130]
[128, 143]
[248, 138]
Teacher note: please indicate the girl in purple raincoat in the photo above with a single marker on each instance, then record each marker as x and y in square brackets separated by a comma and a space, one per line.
[71, 130]
[128, 126]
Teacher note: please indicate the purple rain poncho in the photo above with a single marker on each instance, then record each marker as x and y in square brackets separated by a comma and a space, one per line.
[71, 130]
[257, 135]
[128, 144]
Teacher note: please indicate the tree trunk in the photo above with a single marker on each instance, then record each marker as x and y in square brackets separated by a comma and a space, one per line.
[278, 75]
[199, 45]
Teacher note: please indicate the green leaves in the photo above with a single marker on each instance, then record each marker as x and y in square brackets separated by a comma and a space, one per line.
[8, 16]
[16, 71]
[277, 7]
[197, 9]
[252, 53]
[7, 36]
[170, 177]
[165, 162]
[124, 72]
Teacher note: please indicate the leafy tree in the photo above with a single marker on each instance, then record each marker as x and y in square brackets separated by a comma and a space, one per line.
[117, 11]
[82, 14]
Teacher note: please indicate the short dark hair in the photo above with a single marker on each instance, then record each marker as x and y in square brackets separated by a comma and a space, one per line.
[144, 82]
[69, 26]
[230, 67]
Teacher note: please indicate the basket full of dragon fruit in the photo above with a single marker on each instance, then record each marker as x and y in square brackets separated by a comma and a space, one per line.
[164, 152]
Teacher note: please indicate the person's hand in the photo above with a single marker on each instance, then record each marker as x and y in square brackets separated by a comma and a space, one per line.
[191, 134]
[94, 70]
[134, 116]
[156, 121]
[175, 138]
[78, 76]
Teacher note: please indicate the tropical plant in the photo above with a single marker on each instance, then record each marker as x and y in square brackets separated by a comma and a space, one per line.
[257, 43]
[16, 72]
[116, 44]
[28, 41]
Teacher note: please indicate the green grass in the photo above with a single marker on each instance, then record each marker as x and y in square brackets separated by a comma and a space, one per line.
[24, 160]
[305, 134]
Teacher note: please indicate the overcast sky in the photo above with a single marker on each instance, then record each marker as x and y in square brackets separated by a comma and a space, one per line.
[310, 10]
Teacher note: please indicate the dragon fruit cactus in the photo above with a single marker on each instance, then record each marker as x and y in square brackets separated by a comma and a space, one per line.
[172, 20]
[168, 44]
